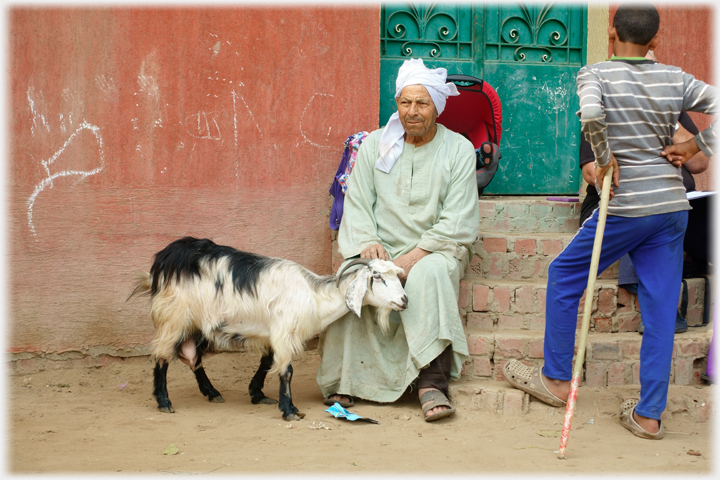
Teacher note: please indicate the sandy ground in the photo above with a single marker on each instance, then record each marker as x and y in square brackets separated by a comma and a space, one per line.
[105, 420]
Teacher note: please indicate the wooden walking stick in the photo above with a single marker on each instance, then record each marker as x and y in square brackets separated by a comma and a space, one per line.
[589, 292]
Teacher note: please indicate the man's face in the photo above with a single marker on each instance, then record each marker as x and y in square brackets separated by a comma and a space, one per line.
[416, 109]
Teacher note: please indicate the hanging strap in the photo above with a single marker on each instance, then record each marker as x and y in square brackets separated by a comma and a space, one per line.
[684, 302]
[706, 302]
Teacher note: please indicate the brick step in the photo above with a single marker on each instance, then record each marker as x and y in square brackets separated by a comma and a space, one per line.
[521, 255]
[528, 214]
[501, 215]
[611, 359]
[489, 305]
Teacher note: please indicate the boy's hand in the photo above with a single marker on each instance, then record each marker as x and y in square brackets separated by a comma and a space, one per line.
[600, 175]
[680, 152]
[588, 173]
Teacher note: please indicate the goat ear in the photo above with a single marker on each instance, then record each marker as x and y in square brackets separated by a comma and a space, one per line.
[356, 291]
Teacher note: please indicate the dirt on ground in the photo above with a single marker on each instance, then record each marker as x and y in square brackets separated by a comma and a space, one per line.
[105, 420]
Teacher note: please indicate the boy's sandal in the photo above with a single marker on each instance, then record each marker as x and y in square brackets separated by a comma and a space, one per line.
[627, 421]
[529, 379]
[436, 399]
[345, 404]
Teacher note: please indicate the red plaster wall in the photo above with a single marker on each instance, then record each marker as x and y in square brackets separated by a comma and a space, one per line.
[133, 127]
[686, 40]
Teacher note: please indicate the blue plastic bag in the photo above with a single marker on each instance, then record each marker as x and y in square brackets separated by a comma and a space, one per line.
[339, 412]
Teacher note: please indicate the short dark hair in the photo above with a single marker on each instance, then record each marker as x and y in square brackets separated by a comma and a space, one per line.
[636, 23]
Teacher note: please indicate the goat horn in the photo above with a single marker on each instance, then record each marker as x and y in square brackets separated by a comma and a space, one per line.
[357, 261]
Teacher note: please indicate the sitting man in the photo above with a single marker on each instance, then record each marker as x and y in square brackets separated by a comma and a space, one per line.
[412, 198]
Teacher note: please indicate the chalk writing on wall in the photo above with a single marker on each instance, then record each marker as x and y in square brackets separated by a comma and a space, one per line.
[203, 125]
[302, 117]
[47, 164]
[200, 123]
[37, 118]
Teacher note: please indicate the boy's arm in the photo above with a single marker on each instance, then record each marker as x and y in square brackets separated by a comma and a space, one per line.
[592, 115]
[698, 97]
[592, 118]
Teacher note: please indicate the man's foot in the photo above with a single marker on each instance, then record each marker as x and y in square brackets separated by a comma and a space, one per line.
[533, 381]
[435, 410]
[345, 401]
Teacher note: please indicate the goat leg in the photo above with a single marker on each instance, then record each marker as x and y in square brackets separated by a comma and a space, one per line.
[258, 381]
[290, 412]
[203, 381]
[160, 386]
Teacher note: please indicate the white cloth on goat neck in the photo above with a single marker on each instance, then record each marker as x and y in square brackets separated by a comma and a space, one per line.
[412, 72]
[429, 200]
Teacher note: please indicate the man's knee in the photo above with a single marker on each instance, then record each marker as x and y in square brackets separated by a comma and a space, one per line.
[433, 266]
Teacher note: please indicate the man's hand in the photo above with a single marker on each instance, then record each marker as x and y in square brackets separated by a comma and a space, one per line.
[375, 251]
[407, 261]
[600, 175]
[680, 153]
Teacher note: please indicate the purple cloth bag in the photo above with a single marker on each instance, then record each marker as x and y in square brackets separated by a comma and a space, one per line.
[339, 185]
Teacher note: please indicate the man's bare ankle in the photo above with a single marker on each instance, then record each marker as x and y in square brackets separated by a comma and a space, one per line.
[559, 388]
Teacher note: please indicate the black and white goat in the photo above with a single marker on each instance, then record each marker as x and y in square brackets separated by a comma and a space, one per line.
[207, 297]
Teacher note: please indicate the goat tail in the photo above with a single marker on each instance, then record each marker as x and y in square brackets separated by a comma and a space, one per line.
[143, 284]
[382, 317]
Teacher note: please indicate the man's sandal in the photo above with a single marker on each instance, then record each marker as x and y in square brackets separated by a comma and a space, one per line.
[529, 379]
[345, 404]
[627, 421]
[436, 399]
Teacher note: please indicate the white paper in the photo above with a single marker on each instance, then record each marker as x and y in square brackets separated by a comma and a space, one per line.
[694, 195]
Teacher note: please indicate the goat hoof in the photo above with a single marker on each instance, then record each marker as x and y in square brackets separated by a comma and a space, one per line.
[167, 409]
[217, 399]
[294, 416]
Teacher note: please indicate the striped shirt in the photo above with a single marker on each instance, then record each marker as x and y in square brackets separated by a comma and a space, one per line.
[630, 108]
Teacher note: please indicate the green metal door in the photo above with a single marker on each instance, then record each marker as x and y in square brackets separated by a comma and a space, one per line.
[529, 53]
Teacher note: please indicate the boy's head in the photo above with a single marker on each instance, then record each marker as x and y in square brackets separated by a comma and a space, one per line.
[636, 23]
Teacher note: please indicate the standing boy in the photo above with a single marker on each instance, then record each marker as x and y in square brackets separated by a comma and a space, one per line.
[629, 107]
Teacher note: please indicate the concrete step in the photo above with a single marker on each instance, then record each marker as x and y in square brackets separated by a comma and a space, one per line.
[519, 256]
[528, 214]
[611, 359]
[499, 398]
[497, 305]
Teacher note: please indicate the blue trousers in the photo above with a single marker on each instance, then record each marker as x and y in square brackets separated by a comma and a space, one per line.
[655, 245]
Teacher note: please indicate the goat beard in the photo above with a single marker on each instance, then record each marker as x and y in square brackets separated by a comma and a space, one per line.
[382, 317]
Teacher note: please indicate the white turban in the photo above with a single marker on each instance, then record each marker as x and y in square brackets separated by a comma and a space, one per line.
[412, 72]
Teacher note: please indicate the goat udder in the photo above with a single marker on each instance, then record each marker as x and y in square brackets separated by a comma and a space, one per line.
[187, 353]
